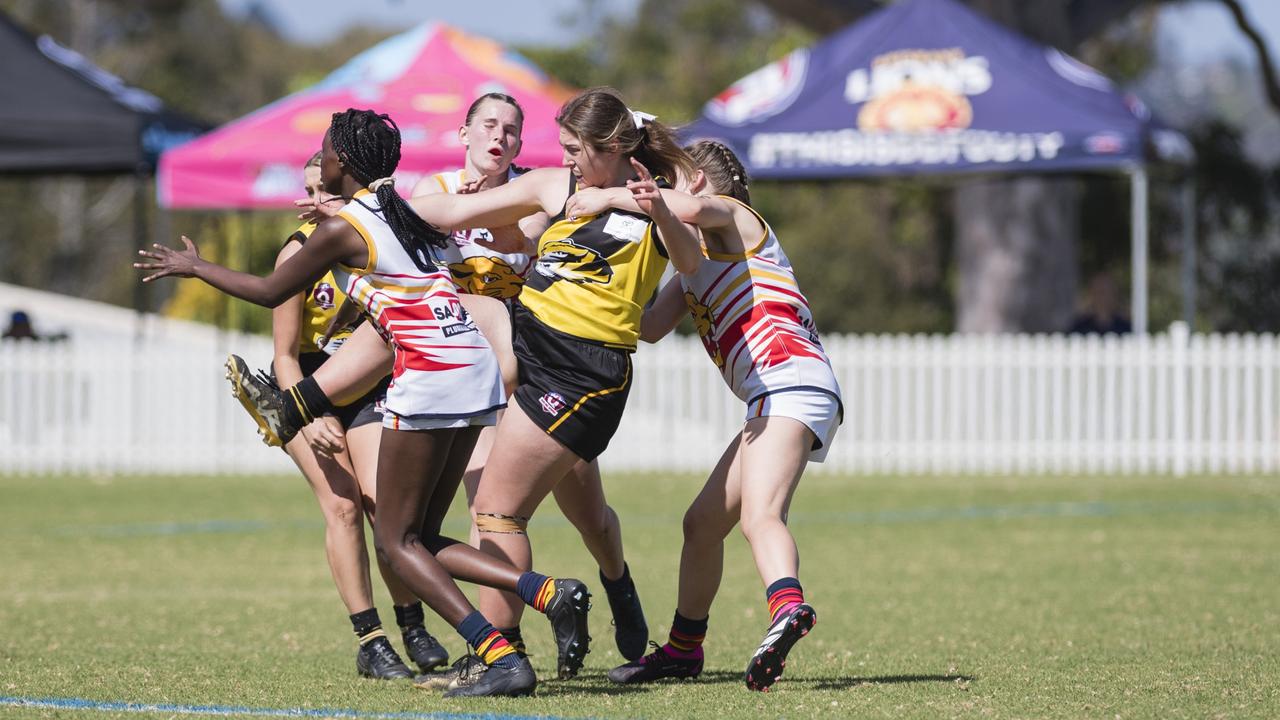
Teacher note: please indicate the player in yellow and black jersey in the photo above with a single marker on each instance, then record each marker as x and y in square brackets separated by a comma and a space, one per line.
[577, 320]
[594, 274]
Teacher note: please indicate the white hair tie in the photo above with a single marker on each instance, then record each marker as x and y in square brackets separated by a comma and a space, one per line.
[640, 118]
[376, 184]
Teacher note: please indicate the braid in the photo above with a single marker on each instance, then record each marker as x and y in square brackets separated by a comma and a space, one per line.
[723, 169]
[369, 144]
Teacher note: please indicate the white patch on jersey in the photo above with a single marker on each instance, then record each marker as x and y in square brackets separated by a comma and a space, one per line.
[627, 228]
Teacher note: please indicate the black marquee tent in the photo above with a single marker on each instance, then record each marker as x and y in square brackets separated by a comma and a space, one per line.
[59, 113]
[62, 115]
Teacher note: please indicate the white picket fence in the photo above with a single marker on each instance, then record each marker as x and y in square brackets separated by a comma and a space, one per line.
[1166, 403]
[156, 402]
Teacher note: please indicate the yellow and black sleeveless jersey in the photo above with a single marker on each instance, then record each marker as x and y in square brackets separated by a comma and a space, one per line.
[322, 302]
[594, 274]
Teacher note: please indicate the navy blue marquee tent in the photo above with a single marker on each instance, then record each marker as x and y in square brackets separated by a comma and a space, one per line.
[926, 87]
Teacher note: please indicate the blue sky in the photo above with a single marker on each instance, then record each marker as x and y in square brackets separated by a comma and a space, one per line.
[1195, 31]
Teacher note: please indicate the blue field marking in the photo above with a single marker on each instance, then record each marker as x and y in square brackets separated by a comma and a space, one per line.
[233, 710]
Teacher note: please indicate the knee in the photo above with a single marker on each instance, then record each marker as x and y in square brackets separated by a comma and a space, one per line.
[597, 523]
[384, 557]
[343, 514]
[699, 526]
[755, 523]
[392, 544]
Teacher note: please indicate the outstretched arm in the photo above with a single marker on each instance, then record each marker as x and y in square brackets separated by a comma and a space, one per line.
[332, 242]
[664, 314]
[535, 191]
[519, 238]
[705, 212]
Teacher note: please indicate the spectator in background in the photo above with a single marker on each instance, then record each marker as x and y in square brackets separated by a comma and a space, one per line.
[20, 327]
[1101, 313]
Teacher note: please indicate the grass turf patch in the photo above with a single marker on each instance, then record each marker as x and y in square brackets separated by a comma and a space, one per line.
[1001, 597]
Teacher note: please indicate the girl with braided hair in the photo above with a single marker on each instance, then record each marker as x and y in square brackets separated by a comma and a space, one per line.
[445, 386]
[338, 456]
[757, 329]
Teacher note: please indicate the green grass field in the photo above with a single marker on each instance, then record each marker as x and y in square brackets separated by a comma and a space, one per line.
[960, 597]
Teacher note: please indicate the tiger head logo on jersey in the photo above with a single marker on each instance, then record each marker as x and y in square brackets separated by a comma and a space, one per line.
[566, 260]
[491, 276]
[702, 323]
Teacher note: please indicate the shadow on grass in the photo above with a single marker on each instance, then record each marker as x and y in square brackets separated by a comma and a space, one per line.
[599, 685]
[844, 683]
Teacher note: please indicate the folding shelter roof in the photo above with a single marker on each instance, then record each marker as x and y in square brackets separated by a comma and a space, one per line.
[424, 79]
[930, 86]
[59, 113]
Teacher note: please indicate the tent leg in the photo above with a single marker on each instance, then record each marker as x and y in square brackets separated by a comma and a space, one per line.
[1138, 223]
[1189, 253]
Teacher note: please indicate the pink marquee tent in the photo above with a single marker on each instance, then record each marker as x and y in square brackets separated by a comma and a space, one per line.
[424, 79]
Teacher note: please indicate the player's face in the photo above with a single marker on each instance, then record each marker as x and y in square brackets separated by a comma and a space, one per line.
[492, 137]
[330, 170]
[592, 168]
[311, 179]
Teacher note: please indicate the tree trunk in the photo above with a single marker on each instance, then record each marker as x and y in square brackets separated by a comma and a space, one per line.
[1016, 253]
[1016, 236]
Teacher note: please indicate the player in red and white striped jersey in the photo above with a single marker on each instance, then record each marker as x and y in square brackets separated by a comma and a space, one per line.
[756, 326]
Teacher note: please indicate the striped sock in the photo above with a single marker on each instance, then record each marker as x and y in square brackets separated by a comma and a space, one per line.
[536, 590]
[685, 639]
[489, 644]
[515, 638]
[782, 596]
[495, 650]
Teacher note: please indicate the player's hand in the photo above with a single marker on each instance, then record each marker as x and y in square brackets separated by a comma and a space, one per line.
[166, 262]
[644, 190]
[587, 201]
[324, 435]
[320, 207]
[470, 188]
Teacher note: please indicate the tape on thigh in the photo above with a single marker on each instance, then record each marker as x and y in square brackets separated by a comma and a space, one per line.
[503, 524]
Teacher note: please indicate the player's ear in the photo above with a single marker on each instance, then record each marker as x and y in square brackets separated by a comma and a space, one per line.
[699, 182]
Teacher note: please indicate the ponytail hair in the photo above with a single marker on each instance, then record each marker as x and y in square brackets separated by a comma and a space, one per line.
[599, 118]
[722, 168]
[369, 146]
